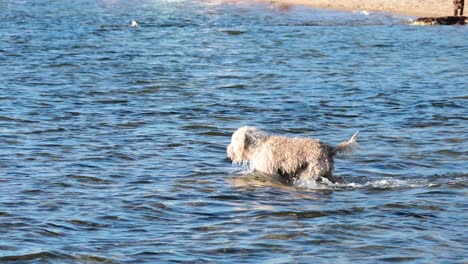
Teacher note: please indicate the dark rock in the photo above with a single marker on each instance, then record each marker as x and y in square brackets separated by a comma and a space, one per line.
[448, 20]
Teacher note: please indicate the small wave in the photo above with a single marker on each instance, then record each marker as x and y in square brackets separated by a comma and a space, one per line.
[362, 12]
[387, 183]
[382, 184]
[46, 256]
[246, 178]
[449, 180]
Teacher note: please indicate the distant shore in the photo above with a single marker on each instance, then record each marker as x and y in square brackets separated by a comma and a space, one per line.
[416, 8]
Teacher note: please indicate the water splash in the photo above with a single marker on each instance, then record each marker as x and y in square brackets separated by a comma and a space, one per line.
[362, 12]
[387, 183]
[453, 180]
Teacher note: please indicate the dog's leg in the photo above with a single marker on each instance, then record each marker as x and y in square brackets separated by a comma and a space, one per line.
[290, 177]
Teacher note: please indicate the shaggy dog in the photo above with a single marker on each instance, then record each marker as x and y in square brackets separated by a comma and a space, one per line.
[288, 158]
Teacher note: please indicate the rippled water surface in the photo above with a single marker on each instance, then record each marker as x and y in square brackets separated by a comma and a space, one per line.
[113, 138]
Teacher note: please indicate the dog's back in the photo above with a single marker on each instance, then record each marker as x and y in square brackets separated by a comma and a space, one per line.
[294, 157]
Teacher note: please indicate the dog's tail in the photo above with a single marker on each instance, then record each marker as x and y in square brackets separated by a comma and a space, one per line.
[348, 146]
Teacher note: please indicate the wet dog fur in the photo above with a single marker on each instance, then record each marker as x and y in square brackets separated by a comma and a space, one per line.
[286, 157]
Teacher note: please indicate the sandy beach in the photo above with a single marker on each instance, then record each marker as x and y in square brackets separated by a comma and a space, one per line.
[416, 8]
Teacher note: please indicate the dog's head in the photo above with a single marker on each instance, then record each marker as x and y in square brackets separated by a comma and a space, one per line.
[239, 148]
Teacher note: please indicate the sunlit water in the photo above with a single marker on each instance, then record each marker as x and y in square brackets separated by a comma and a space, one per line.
[113, 138]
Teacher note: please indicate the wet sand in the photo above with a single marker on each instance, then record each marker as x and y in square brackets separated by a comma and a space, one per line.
[417, 8]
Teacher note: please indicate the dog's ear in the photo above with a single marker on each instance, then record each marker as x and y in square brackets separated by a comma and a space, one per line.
[248, 140]
[241, 143]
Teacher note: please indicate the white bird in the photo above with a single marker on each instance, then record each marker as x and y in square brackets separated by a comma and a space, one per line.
[134, 24]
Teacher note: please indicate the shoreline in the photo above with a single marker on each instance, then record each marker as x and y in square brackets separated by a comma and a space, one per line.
[414, 8]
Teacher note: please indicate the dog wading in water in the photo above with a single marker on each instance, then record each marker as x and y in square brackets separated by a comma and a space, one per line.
[286, 157]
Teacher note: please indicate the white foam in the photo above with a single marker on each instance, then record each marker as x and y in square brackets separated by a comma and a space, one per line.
[385, 183]
[364, 12]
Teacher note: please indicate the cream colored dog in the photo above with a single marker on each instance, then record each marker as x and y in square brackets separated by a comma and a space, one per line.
[289, 158]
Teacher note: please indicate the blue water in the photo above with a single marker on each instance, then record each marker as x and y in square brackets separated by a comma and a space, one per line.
[113, 138]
